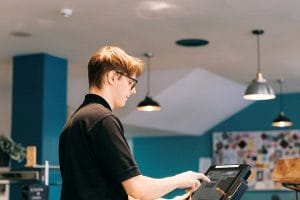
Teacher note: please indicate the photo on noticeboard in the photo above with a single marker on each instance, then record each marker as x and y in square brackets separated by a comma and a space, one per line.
[260, 149]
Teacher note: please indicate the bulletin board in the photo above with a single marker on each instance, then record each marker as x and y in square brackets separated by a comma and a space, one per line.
[260, 149]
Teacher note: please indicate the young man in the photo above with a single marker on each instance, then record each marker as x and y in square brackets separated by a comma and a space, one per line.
[95, 160]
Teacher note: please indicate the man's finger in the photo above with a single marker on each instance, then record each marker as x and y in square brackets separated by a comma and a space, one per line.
[203, 177]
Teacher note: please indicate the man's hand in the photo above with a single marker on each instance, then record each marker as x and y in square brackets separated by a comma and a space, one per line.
[190, 180]
[142, 187]
[186, 196]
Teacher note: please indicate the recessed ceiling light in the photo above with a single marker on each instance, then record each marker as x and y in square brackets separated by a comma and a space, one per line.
[66, 12]
[159, 5]
[157, 9]
[21, 34]
[192, 42]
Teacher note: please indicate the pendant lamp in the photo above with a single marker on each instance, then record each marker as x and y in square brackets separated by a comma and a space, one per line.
[281, 120]
[259, 88]
[148, 104]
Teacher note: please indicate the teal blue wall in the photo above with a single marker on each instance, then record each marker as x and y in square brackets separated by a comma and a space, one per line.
[165, 156]
[39, 109]
[259, 115]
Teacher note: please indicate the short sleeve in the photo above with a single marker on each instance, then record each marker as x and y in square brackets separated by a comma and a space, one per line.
[111, 149]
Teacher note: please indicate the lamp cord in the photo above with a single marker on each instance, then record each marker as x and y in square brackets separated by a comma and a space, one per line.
[280, 97]
[148, 75]
[258, 54]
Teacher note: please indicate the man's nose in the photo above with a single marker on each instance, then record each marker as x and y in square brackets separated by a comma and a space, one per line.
[133, 91]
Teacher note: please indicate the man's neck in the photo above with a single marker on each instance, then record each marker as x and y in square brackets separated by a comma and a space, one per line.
[103, 93]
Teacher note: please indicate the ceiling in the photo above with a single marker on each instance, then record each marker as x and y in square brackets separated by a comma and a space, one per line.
[197, 87]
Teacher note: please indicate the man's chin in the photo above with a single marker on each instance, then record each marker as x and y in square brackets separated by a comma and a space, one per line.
[121, 105]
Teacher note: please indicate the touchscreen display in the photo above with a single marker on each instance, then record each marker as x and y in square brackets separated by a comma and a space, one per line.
[221, 181]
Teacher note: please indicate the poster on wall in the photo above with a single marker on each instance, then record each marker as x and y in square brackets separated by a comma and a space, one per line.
[260, 149]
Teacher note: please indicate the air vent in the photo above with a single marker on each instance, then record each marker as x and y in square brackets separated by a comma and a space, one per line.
[21, 34]
[192, 42]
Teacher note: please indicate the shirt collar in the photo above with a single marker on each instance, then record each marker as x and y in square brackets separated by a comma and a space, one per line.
[93, 98]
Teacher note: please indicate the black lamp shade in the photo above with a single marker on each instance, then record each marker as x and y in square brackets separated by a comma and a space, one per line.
[148, 104]
[282, 121]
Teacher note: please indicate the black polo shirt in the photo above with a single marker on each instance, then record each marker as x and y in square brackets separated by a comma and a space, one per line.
[94, 156]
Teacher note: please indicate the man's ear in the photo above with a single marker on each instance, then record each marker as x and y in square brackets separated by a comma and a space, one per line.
[111, 77]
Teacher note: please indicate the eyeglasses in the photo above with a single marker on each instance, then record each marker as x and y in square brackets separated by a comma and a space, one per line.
[133, 81]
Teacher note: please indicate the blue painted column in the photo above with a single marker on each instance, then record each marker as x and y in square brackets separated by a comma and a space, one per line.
[39, 106]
